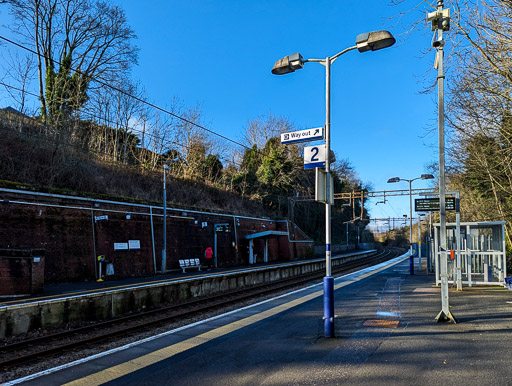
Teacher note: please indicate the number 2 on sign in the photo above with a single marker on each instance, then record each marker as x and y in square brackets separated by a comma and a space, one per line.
[315, 151]
[314, 156]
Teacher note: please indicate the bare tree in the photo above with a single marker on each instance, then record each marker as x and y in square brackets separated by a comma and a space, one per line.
[77, 41]
[19, 71]
[261, 129]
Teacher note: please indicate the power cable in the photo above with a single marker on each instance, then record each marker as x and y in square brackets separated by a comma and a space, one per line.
[397, 215]
[101, 82]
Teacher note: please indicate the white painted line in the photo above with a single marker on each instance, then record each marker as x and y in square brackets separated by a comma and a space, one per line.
[390, 314]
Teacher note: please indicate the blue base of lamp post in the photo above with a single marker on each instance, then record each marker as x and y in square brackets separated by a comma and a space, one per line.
[411, 265]
[329, 307]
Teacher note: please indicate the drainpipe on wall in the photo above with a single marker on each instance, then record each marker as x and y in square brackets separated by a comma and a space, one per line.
[94, 244]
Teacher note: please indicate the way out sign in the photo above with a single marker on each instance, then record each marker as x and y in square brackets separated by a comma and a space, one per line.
[302, 135]
[314, 157]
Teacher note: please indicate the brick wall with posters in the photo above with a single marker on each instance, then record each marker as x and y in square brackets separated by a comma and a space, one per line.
[74, 231]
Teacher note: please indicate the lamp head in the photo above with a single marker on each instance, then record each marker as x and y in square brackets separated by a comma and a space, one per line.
[288, 64]
[427, 177]
[373, 41]
[394, 179]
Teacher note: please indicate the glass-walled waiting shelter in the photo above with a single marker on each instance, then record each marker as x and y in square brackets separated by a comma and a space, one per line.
[482, 258]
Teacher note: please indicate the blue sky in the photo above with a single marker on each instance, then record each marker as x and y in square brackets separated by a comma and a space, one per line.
[219, 54]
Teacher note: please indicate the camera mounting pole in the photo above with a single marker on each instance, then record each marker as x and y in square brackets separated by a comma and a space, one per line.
[441, 21]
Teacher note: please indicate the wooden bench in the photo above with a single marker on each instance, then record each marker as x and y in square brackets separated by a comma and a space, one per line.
[190, 263]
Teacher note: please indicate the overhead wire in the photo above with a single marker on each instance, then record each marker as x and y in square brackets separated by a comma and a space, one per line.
[394, 210]
[103, 83]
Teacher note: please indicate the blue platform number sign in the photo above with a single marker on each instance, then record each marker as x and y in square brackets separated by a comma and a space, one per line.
[314, 157]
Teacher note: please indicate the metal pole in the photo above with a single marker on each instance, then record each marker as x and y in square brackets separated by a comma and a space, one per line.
[152, 238]
[419, 243]
[328, 279]
[457, 235]
[444, 314]
[411, 258]
[328, 166]
[94, 244]
[430, 249]
[251, 261]
[347, 236]
[164, 250]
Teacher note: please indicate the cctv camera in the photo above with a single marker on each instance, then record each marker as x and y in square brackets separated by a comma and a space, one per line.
[438, 43]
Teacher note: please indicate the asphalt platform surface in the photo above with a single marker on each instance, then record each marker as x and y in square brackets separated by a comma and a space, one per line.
[385, 335]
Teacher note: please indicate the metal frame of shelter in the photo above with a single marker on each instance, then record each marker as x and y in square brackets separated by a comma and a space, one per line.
[482, 253]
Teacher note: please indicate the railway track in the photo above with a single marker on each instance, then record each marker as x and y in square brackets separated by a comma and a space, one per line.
[19, 353]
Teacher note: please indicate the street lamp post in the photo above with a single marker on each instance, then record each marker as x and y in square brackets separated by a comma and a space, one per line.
[371, 41]
[398, 179]
[419, 241]
[164, 249]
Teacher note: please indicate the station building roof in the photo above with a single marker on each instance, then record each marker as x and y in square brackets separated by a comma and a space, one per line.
[266, 235]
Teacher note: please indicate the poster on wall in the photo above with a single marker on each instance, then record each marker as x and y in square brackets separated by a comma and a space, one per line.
[134, 244]
[120, 246]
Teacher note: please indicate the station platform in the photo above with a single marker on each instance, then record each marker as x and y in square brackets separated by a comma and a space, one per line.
[385, 335]
[59, 290]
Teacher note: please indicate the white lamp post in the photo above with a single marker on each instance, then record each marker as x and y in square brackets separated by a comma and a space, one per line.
[420, 215]
[164, 249]
[398, 179]
[371, 41]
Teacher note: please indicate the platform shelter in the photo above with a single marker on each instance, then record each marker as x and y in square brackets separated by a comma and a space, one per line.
[266, 235]
[482, 256]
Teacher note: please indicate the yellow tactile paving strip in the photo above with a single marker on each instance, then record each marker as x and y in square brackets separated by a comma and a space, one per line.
[143, 361]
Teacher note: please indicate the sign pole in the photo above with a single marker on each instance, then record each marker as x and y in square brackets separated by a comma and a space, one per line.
[411, 255]
[457, 235]
[328, 279]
